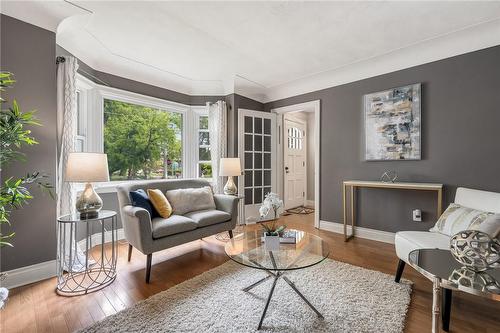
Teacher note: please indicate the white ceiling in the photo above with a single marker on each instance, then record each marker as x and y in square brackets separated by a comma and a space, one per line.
[265, 50]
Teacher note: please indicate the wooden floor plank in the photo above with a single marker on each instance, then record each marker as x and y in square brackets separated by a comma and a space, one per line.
[38, 308]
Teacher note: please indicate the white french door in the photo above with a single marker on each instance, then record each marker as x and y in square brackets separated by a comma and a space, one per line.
[257, 145]
[294, 159]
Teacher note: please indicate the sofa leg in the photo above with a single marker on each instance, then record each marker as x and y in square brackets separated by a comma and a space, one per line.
[148, 267]
[446, 312]
[129, 252]
[399, 271]
[230, 233]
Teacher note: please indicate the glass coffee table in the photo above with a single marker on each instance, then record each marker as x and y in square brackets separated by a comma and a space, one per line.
[249, 250]
[447, 274]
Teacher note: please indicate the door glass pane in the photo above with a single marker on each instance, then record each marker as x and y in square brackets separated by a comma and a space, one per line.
[267, 161]
[258, 161]
[267, 190]
[248, 178]
[248, 125]
[248, 161]
[267, 143]
[267, 126]
[257, 195]
[257, 179]
[248, 196]
[257, 143]
[248, 142]
[267, 178]
[258, 125]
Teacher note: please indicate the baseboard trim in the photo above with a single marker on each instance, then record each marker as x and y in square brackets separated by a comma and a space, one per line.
[367, 233]
[29, 274]
[310, 203]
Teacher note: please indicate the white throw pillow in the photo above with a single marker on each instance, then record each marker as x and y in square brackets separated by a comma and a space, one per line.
[187, 200]
[490, 226]
[457, 218]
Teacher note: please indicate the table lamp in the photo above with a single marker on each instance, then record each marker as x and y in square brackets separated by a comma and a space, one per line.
[230, 167]
[87, 168]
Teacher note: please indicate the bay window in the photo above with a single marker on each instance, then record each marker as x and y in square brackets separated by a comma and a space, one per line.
[144, 137]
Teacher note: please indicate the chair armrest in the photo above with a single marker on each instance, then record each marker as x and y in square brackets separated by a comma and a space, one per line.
[137, 227]
[226, 203]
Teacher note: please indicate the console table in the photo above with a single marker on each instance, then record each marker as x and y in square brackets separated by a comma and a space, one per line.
[354, 184]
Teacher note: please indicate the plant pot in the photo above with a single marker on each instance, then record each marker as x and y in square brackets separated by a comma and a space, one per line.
[272, 243]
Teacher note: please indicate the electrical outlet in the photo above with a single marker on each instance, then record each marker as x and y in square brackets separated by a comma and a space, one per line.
[417, 215]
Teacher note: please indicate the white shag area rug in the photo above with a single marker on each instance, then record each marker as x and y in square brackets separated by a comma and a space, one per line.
[352, 299]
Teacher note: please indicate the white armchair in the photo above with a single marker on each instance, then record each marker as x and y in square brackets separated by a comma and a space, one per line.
[407, 241]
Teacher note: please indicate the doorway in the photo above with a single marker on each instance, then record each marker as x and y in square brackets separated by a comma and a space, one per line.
[298, 157]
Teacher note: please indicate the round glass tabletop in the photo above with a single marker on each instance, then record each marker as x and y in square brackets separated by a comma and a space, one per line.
[72, 218]
[441, 264]
[249, 249]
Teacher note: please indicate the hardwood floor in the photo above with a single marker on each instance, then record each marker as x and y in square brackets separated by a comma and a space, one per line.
[37, 308]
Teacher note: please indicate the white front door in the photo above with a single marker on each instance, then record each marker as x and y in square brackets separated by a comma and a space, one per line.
[257, 146]
[294, 161]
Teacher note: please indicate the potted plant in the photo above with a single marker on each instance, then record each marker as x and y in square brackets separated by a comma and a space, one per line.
[272, 231]
[14, 192]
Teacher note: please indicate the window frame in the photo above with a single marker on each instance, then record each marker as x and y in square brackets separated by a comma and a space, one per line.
[93, 113]
[198, 112]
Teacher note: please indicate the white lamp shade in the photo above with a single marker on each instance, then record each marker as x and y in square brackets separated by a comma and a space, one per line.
[230, 167]
[87, 167]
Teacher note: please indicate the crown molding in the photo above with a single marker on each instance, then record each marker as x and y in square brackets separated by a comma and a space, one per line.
[467, 40]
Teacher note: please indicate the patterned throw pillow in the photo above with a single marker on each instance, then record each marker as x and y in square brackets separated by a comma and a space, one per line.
[457, 218]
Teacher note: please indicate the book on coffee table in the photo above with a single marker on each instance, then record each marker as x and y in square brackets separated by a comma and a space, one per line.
[287, 237]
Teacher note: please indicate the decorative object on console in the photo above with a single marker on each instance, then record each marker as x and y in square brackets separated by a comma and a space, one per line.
[477, 280]
[87, 168]
[476, 250]
[230, 167]
[389, 176]
[392, 124]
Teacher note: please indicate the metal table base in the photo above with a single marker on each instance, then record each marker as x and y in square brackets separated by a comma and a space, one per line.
[277, 276]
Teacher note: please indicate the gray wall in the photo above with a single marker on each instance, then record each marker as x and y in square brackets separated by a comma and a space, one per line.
[29, 52]
[460, 139]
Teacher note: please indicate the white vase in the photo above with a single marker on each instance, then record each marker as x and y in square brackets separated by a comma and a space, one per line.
[272, 243]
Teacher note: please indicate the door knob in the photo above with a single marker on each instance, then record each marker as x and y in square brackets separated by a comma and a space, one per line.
[286, 170]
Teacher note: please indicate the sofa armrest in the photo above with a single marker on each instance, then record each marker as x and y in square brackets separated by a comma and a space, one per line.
[226, 203]
[137, 227]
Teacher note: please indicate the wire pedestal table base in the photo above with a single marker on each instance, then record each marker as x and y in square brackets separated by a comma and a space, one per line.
[87, 253]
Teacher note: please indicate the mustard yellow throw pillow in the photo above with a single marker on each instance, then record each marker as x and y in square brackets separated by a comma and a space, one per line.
[160, 203]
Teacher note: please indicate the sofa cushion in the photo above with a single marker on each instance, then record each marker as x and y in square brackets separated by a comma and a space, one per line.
[457, 218]
[160, 203]
[173, 225]
[139, 198]
[407, 241]
[191, 199]
[208, 217]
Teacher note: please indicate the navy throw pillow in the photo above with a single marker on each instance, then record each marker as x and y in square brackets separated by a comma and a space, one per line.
[140, 198]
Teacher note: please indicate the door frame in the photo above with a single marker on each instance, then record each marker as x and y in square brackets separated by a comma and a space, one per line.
[302, 122]
[312, 106]
[241, 154]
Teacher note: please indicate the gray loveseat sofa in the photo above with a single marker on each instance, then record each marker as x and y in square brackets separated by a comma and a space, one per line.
[150, 235]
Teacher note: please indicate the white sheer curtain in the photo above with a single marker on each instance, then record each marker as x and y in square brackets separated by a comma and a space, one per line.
[66, 133]
[217, 128]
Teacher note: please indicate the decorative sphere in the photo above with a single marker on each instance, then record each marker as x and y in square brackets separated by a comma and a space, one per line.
[476, 250]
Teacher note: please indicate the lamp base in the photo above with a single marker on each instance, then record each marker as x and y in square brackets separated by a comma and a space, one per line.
[89, 203]
[230, 187]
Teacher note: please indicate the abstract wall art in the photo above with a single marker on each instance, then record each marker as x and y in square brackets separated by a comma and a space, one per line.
[392, 124]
